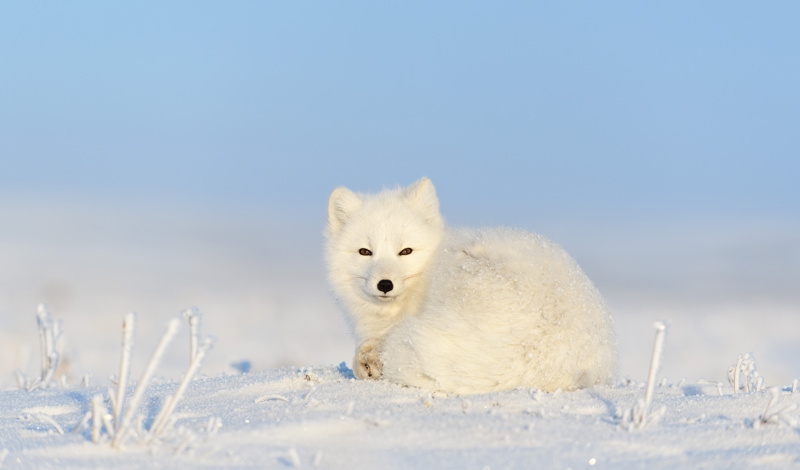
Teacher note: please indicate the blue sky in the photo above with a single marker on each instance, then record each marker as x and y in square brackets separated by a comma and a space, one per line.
[514, 109]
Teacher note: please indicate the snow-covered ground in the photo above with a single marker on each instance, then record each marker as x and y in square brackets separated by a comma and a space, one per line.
[292, 417]
[727, 288]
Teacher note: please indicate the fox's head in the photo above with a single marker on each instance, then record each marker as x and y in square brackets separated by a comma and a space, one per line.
[380, 246]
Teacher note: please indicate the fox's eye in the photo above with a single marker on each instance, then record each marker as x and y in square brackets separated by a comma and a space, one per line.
[364, 252]
[406, 251]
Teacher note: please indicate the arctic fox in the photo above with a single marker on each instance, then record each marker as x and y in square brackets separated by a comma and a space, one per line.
[461, 311]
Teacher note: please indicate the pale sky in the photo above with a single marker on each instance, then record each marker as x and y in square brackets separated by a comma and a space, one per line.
[514, 109]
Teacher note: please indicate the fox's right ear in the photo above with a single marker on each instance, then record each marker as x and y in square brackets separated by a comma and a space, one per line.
[340, 205]
[422, 195]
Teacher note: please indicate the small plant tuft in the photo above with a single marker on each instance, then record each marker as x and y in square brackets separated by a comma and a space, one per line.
[50, 346]
[743, 375]
[122, 423]
[772, 416]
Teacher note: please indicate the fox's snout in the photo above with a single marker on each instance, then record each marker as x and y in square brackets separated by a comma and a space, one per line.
[385, 285]
[384, 282]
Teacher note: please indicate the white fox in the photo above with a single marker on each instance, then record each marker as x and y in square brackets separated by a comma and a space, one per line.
[461, 311]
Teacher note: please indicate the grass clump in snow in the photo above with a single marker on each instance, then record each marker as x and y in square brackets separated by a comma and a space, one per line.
[122, 425]
[773, 416]
[50, 346]
[743, 375]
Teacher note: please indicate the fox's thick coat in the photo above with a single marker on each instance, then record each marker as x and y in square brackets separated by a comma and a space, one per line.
[461, 311]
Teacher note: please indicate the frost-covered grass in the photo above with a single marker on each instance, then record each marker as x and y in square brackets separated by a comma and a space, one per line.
[118, 426]
[50, 352]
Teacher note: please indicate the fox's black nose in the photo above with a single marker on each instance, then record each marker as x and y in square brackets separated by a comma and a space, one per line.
[385, 285]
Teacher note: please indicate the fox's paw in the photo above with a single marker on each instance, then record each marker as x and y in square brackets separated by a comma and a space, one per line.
[366, 364]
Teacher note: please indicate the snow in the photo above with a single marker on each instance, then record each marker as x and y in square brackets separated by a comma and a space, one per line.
[323, 415]
[263, 399]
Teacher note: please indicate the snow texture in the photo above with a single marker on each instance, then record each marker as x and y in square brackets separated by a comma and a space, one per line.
[322, 417]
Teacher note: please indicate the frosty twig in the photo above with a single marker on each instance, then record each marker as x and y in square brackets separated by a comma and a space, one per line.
[655, 360]
[637, 416]
[98, 410]
[124, 365]
[192, 315]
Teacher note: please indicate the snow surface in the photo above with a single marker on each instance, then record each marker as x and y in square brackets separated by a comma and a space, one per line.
[260, 286]
[323, 417]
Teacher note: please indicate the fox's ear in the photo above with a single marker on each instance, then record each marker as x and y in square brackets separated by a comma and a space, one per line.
[422, 195]
[340, 205]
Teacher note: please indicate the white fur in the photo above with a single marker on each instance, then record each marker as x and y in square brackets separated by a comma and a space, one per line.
[471, 311]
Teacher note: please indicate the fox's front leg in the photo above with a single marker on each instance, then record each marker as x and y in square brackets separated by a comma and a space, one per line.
[367, 364]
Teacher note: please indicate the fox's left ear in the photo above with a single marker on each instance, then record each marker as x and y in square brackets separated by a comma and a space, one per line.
[340, 205]
[422, 195]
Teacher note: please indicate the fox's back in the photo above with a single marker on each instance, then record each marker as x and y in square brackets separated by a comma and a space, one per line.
[505, 308]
